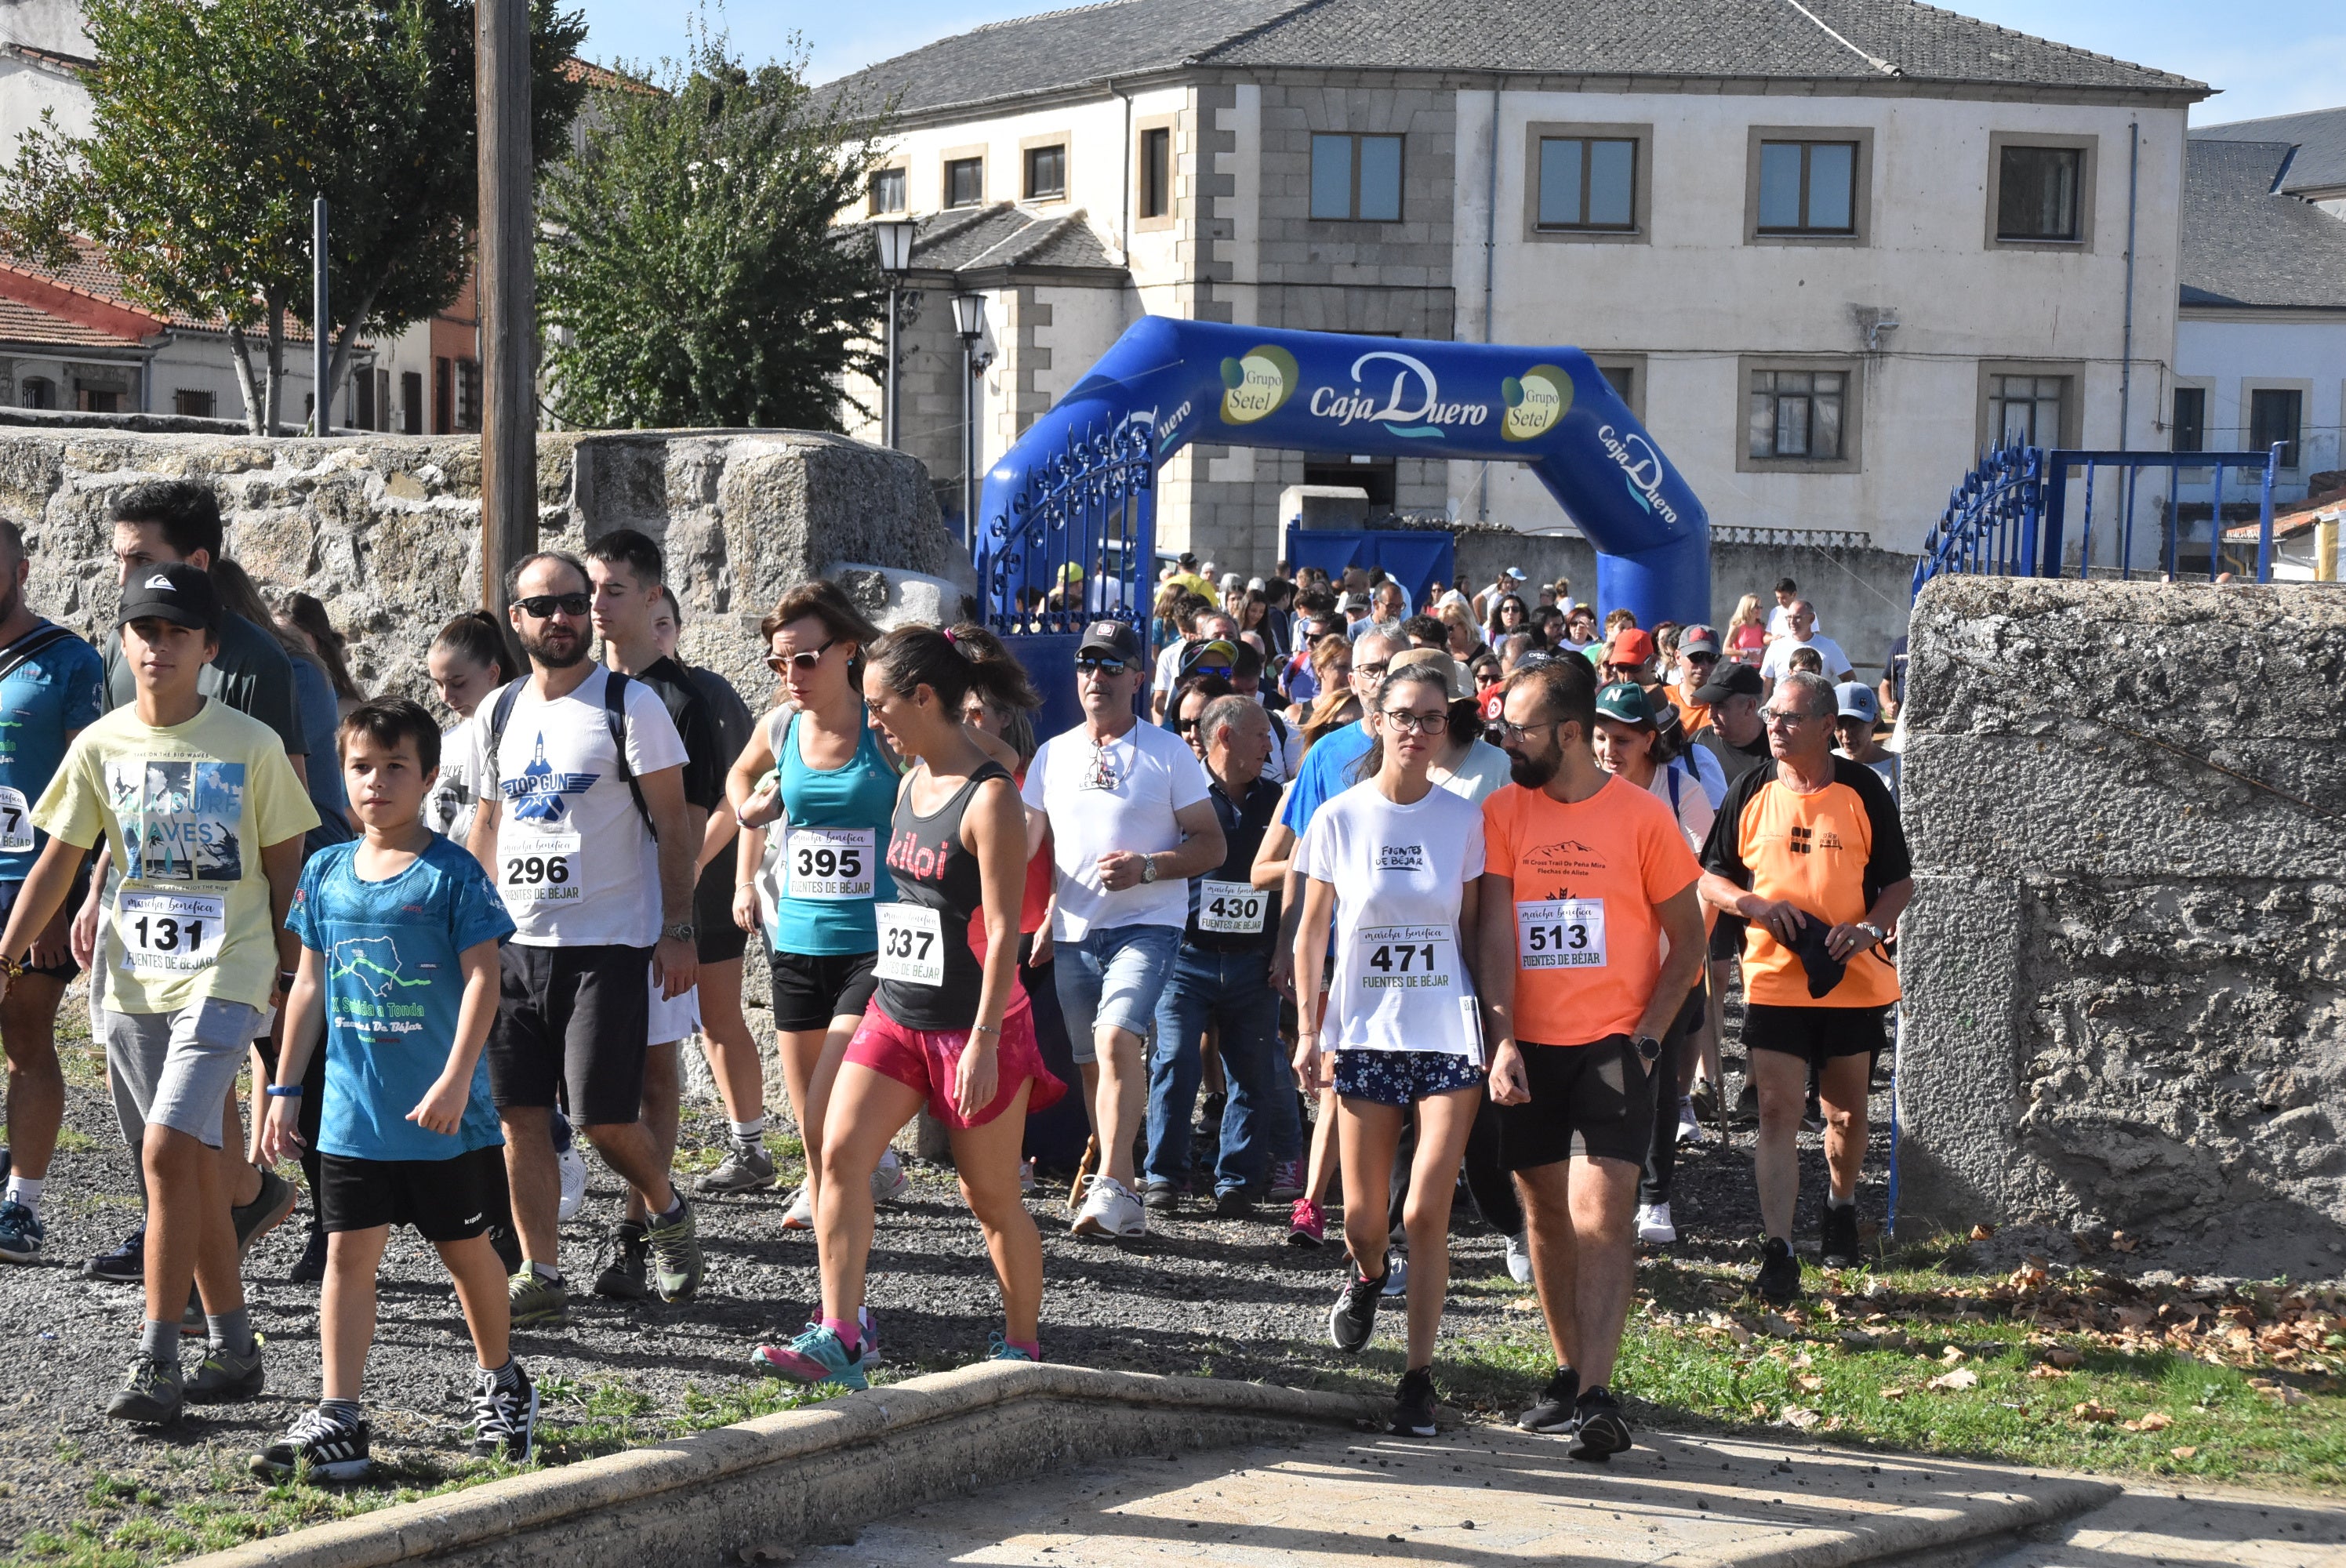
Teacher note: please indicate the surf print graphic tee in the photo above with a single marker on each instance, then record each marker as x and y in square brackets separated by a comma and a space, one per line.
[187, 808]
[576, 867]
[394, 993]
[1399, 981]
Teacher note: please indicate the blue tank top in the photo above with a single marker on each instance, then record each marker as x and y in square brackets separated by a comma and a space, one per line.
[826, 861]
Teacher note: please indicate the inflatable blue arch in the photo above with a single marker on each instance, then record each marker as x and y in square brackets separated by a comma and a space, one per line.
[1073, 498]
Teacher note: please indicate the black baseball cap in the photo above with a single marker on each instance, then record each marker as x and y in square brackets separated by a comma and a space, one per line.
[1729, 680]
[1116, 637]
[178, 593]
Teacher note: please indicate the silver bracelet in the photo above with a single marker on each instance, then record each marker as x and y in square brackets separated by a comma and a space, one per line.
[986, 1029]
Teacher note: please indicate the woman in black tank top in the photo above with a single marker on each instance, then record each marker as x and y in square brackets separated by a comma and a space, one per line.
[949, 1025]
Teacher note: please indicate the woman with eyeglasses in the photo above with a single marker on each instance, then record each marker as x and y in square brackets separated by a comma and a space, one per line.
[813, 790]
[949, 1026]
[1391, 867]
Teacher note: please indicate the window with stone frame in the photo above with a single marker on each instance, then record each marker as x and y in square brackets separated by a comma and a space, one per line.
[1356, 179]
[1798, 416]
[2026, 408]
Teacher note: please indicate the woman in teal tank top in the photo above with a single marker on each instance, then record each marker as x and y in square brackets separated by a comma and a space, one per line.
[815, 790]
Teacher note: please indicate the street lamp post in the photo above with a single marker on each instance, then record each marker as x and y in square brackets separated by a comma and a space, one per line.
[895, 242]
[969, 321]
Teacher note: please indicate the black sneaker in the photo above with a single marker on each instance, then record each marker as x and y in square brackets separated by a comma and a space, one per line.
[1779, 1279]
[1556, 1413]
[507, 1247]
[1413, 1402]
[505, 1418]
[626, 1261]
[1160, 1196]
[1601, 1432]
[311, 1267]
[334, 1450]
[1232, 1202]
[1354, 1317]
[1839, 1245]
[267, 1211]
[149, 1394]
[126, 1264]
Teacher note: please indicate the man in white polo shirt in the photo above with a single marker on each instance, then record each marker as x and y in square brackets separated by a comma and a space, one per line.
[1130, 824]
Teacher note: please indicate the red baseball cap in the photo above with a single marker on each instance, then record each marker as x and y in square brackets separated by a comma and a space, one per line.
[1630, 646]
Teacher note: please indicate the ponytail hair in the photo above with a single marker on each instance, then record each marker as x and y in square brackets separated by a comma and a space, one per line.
[953, 663]
[480, 636]
[995, 671]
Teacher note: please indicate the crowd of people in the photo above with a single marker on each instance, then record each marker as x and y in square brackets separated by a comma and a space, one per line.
[1420, 896]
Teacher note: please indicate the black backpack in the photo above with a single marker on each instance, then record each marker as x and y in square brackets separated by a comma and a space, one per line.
[615, 718]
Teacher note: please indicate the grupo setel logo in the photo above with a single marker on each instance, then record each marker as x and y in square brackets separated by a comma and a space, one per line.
[1641, 467]
[1411, 407]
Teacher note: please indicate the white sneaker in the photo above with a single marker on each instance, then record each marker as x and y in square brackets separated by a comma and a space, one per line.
[1025, 1176]
[799, 1216]
[888, 1182]
[1689, 1124]
[1397, 1279]
[1654, 1226]
[1111, 1210]
[1519, 1258]
[574, 1181]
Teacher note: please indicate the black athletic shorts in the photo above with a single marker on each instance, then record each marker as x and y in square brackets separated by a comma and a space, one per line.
[65, 971]
[812, 988]
[714, 932]
[1727, 938]
[1594, 1100]
[1816, 1034]
[576, 1017]
[452, 1199]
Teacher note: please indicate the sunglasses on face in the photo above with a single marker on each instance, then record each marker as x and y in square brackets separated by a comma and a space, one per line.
[542, 607]
[1700, 659]
[803, 661]
[1403, 721]
[1101, 667]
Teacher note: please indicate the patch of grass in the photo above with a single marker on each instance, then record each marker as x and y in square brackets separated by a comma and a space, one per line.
[72, 1142]
[2025, 1372]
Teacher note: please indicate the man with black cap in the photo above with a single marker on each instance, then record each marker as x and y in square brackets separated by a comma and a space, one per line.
[1735, 736]
[207, 816]
[1130, 824]
[1808, 852]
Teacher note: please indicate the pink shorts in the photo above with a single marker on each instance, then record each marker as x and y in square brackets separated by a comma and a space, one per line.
[925, 1059]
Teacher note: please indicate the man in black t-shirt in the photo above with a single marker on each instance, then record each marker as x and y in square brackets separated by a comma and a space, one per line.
[624, 568]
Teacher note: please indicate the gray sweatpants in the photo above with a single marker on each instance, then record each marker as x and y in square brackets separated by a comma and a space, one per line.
[174, 1069]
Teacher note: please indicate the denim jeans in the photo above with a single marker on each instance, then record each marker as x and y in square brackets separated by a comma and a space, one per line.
[1112, 976]
[1229, 992]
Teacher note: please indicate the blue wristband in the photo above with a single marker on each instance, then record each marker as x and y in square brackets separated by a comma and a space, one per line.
[283, 1091]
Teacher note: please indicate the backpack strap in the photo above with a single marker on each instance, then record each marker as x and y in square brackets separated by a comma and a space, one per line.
[615, 719]
[30, 646]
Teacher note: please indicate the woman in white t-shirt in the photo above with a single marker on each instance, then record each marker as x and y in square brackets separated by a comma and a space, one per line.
[470, 658]
[1391, 867]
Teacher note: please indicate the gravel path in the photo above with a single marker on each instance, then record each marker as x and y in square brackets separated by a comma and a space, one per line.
[1198, 1297]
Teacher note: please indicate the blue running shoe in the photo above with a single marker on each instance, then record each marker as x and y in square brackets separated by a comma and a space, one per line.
[998, 1349]
[814, 1357]
[20, 1233]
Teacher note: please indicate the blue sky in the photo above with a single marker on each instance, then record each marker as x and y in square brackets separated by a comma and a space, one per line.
[2270, 57]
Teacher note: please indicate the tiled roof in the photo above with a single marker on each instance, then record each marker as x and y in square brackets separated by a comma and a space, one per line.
[2319, 136]
[2245, 243]
[972, 239]
[94, 276]
[29, 324]
[1813, 40]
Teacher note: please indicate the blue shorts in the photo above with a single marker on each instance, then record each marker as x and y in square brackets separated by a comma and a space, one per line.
[1402, 1078]
[1113, 978]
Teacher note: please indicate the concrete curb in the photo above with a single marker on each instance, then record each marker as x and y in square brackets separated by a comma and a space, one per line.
[1941, 1537]
[810, 1475]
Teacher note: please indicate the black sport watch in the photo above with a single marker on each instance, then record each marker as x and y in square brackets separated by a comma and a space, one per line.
[1649, 1050]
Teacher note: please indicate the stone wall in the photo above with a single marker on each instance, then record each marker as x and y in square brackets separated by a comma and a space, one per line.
[2124, 960]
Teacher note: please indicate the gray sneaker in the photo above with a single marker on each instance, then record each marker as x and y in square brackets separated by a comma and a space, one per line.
[225, 1378]
[267, 1210]
[747, 1168]
[675, 1246]
[149, 1394]
[535, 1299]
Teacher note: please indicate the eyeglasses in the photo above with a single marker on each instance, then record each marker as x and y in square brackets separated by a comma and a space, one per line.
[1519, 733]
[544, 607]
[1778, 716]
[1090, 666]
[1373, 671]
[803, 661]
[1403, 721]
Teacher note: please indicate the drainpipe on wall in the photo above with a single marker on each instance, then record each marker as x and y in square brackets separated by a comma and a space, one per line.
[2126, 350]
[1124, 219]
[1490, 264]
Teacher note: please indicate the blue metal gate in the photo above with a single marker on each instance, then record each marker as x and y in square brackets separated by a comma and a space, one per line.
[2009, 515]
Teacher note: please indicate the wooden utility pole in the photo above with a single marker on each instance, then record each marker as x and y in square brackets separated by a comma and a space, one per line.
[508, 292]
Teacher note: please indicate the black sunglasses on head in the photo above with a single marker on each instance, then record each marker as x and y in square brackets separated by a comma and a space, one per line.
[542, 607]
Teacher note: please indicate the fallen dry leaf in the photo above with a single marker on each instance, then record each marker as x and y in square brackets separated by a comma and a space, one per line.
[2043, 1373]
[2091, 1412]
[1949, 1382]
[1796, 1415]
[1983, 1232]
[1894, 1392]
[2121, 1242]
[2065, 1355]
[1523, 1304]
[2156, 1421]
[1809, 1382]
[1952, 1354]
[1743, 1335]
[2186, 1452]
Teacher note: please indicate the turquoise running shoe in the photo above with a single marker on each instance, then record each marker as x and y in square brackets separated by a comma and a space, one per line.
[814, 1357]
[1001, 1349]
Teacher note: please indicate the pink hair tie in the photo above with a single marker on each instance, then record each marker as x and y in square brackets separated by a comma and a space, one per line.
[949, 636]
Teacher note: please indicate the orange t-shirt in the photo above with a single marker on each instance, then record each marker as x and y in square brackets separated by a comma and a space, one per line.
[1587, 877]
[1830, 854]
[1692, 715]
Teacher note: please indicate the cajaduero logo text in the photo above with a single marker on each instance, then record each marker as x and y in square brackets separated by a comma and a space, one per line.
[1256, 383]
[1535, 400]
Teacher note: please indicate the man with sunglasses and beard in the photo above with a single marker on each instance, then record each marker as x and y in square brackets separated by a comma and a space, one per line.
[586, 818]
[1130, 824]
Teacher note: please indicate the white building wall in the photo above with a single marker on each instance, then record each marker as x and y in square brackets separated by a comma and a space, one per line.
[2233, 353]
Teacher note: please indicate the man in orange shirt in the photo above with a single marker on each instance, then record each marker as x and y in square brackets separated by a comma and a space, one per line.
[1584, 875]
[1808, 849]
[1698, 657]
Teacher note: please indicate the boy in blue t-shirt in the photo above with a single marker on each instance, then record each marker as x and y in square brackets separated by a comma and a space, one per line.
[399, 933]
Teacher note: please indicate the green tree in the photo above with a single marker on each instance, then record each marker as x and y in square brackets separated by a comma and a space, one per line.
[688, 268]
[215, 126]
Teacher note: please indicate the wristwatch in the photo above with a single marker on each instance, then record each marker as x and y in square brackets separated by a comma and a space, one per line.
[1649, 1050]
[680, 930]
[1873, 930]
[1148, 868]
